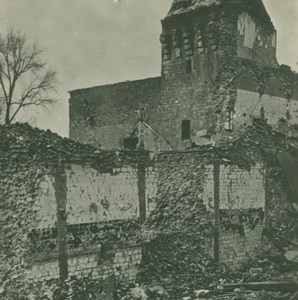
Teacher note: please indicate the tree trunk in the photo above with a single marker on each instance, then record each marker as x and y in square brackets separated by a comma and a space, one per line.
[7, 116]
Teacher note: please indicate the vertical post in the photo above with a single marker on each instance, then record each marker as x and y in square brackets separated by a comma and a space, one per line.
[140, 145]
[142, 189]
[216, 178]
[267, 196]
[60, 186]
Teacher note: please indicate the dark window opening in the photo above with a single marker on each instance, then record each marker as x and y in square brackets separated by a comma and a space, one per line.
[262, 113]
[185, 130]
[130, 143]
[189, 66]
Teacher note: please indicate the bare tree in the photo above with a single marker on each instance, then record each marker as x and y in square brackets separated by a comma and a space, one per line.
[24, 78]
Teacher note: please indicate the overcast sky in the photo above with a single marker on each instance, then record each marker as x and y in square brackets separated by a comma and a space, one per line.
[94, 42]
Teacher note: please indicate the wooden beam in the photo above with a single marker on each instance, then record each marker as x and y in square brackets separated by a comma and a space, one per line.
[268, 285]
[60, 186]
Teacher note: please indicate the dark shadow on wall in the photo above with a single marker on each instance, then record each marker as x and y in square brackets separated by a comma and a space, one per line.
[289, 164]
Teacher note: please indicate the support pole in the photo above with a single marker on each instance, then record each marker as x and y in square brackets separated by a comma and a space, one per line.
[142, 191]
[60, 186]
[216, 178]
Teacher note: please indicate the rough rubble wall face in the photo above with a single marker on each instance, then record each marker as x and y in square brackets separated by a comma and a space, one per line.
[255, 42]
[96, 197]
[19, 193]
[180, 225]
[241, 189]
[278, 196]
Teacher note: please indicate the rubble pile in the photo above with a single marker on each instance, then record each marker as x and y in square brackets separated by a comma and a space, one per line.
[175, 254]
[23, 140]
[179, 254]
[158, 292]
[21, 143]
[259, 141]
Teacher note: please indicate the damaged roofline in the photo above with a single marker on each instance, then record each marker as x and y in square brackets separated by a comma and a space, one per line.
[257, 8]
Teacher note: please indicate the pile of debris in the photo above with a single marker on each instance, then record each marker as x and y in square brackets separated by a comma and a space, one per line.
[157, 292]
[23, 140]
[260, 279]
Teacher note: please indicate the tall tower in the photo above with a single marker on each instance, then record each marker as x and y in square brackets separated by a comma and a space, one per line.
[201, 40]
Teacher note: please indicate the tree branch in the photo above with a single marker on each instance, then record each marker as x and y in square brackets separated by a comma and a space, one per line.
[19, 59]
[33, 94]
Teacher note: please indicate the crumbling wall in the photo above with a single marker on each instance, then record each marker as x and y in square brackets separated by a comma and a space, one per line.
[255, 41]
[241, 213]
[242, 189]
[205, 205]
[101, 192]
[123, 266]
[19, 189]
[178, 234]
[98, 197]
[269, 95]
[239, 241]
[219, 205]
[241, 210]
[102, 211]
[205, 53]
[193, 52]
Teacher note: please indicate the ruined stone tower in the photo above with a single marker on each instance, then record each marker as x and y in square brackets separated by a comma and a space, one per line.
[218, 72]
[200, 41]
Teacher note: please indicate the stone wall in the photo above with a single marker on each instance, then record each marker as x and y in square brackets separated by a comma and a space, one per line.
[236, 248]
[242, 189]
[206, 49]
[100, 202]
[19, 189]
[187, 202]
[102, 210]
[241, 210]
[193, 52]
[123, 266]
[213, 201]
[105, 115]
[49, 185]
[241, 213]
[99, 197]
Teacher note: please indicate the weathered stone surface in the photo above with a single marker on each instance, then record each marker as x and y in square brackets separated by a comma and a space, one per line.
[209, 50]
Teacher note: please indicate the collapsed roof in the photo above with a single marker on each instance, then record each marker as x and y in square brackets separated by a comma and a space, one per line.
[256, 6]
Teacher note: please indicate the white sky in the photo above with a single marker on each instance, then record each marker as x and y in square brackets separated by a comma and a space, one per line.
[93, 42]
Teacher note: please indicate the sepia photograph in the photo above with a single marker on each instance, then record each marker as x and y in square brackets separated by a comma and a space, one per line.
[148, 149]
